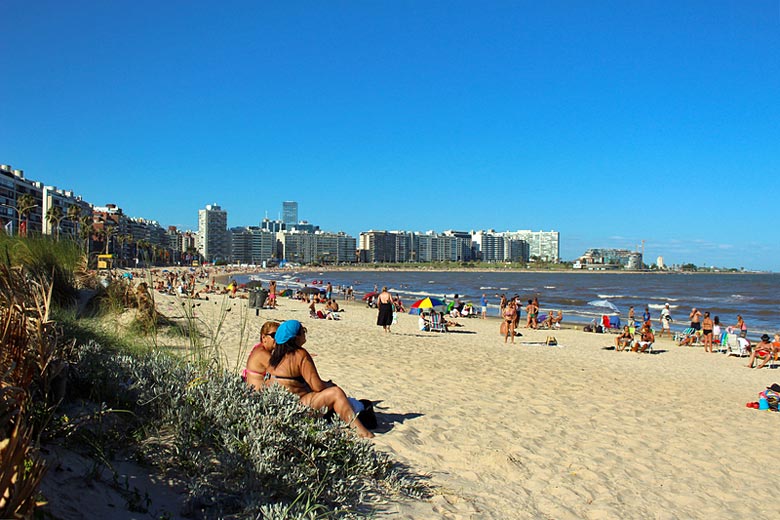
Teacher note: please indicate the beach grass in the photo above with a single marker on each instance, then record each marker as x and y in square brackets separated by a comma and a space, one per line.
[104, 378]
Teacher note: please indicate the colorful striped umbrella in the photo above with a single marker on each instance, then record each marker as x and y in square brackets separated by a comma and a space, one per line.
[425, 303]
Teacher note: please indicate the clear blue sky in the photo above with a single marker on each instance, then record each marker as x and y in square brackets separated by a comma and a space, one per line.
[610, 121]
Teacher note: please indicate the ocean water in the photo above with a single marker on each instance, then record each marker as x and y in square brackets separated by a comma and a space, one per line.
[582, 296]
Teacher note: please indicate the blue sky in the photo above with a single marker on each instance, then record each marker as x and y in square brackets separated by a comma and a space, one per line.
[612, 122]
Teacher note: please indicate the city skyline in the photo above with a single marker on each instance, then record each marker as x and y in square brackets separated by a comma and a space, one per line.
[213, 235]
[611, 123]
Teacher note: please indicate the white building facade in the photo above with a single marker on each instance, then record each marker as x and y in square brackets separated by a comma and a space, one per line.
[213, 236]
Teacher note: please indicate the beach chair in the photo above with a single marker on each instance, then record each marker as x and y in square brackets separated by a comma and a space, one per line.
[605, 323]
[697, 339]
[723, 342]
[437, 325]
[774, 361]
[736, 347]
[679, 336]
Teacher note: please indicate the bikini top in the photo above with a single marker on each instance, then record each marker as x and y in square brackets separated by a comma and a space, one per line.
[247, 370]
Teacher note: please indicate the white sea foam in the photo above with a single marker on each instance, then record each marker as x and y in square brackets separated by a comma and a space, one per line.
[549, 287]
[659, 306]
[610, 296]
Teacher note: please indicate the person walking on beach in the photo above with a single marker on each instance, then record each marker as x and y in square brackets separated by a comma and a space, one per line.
[666, 320]
[510, 317]
[502, 304]
[328, 291]
[531, 310]
[272, 294]
[631, 316]
[385, 304]
[484, 304]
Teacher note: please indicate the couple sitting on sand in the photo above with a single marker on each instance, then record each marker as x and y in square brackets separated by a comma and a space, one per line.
[281, 358]
[626, 339]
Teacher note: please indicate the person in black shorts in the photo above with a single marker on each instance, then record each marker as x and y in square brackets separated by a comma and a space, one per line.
[706, 330]
[695, 317]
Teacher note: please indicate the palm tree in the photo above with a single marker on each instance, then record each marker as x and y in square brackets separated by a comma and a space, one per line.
[123, 239]
[54, 216]
[25, 205]
[86, 229]
[141, 247]
[74, 214]
[107, 234]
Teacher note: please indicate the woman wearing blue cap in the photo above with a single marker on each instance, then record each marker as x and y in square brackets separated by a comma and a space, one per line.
[292, 367]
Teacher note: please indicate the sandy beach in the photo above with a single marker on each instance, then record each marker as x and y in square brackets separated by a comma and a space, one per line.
[530, 431]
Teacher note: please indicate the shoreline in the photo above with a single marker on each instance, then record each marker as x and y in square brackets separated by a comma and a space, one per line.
[369, 268]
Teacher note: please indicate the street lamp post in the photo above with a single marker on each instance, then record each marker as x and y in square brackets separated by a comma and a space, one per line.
[18, 215]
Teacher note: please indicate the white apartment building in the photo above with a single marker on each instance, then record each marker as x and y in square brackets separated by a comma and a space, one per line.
[213, 237]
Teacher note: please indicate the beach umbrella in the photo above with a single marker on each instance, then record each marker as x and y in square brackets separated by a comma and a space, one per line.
[425, 303]
[286, 292]
[369, 295]
[311, 290]
[254, 284]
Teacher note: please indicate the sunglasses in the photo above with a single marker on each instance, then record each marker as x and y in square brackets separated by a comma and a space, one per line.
[271, 335]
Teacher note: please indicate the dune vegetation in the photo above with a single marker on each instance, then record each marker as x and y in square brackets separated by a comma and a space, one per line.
[76, 376]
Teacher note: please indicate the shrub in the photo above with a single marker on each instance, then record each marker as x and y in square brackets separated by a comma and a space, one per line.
[243, 452]
[46, 259]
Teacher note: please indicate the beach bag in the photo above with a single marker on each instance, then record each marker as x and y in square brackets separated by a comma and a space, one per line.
[504, 325]
[395, 320]
[367, 416]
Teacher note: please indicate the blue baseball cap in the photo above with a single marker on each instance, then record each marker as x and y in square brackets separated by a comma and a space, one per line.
[287, 331]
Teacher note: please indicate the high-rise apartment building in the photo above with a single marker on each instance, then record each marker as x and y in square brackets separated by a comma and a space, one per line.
[320, 247]
[14, 186]
[252, 245]
[213, 237]
[544, 245]
[290, 212]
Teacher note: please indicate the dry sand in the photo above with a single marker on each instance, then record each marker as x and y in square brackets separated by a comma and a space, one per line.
[530, 431]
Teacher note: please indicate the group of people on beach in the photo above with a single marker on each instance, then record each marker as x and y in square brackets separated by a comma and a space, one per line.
[510, 310]
[704, 330]
[280, 358]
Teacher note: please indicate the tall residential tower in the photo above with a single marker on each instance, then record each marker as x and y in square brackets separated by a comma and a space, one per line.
[213, 237]
[290, 212]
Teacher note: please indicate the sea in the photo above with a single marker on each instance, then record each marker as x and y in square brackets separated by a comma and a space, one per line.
[582, 296]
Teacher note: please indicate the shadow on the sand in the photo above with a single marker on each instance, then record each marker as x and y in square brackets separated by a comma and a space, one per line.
[386, 421]
[433, 334]
[654, 351]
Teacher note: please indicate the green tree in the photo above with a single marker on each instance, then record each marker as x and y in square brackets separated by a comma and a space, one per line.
[54, 216]
[25, 205]
[106, 234]
[74, 214]
[86, 229]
